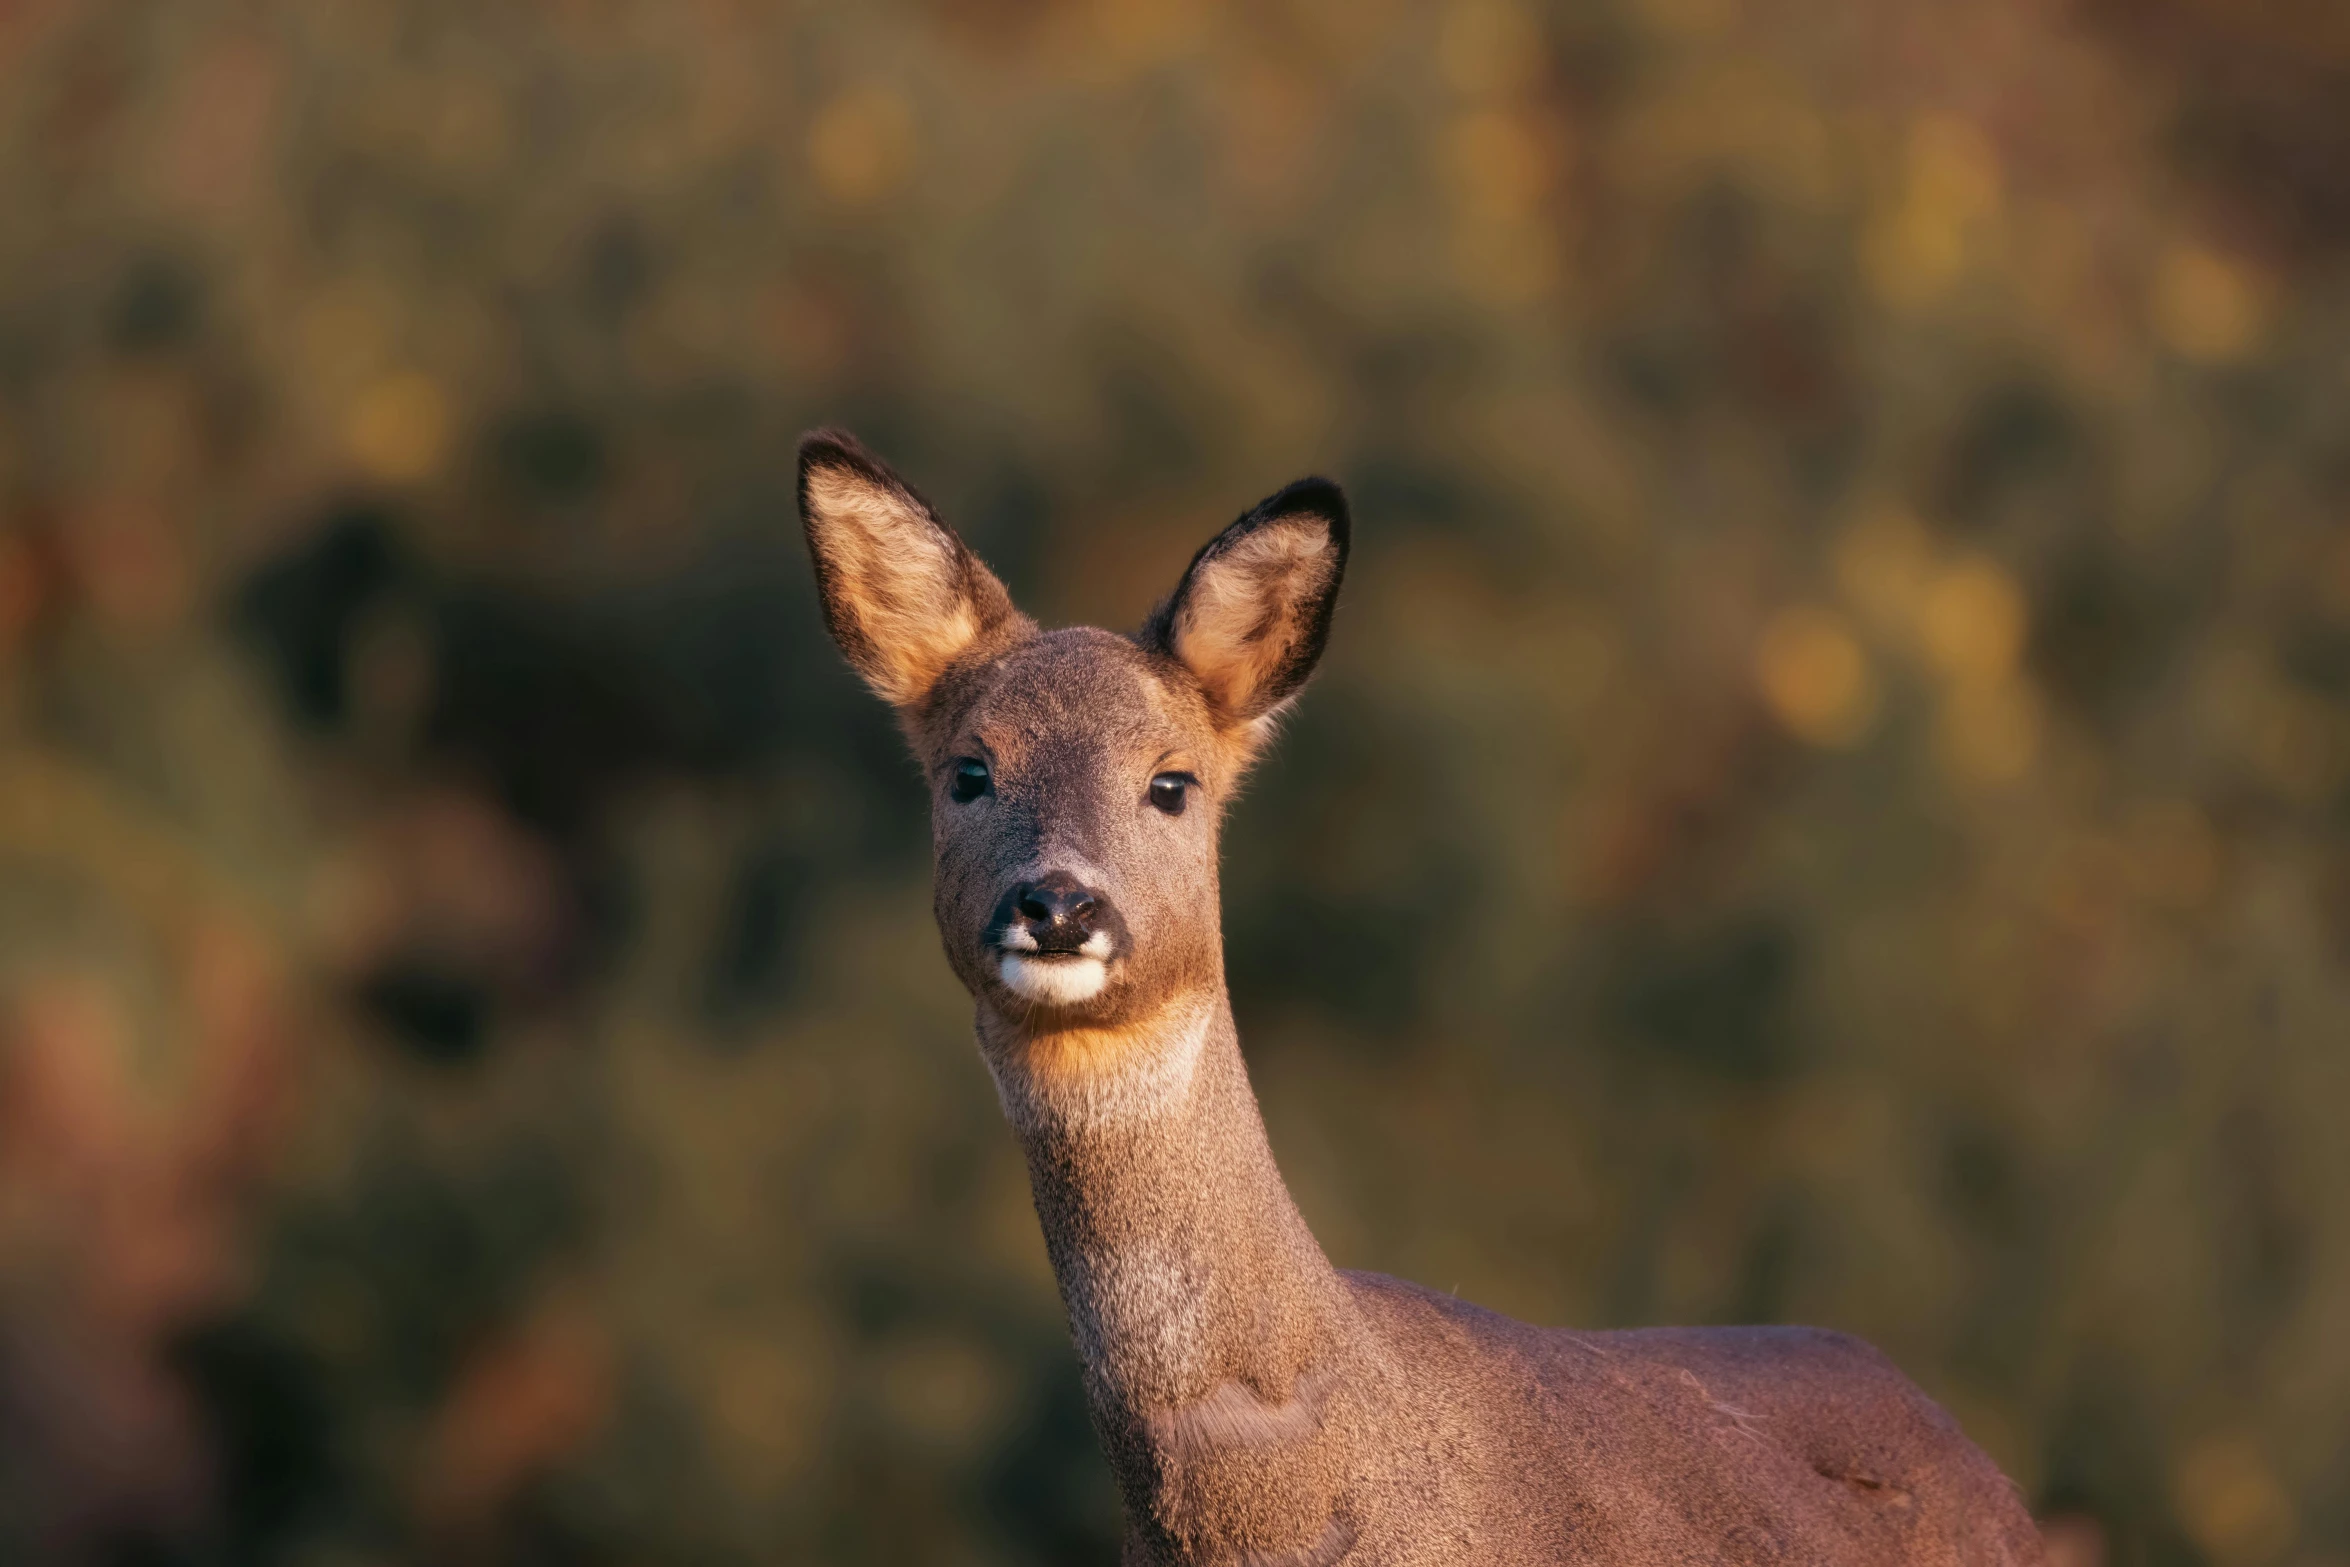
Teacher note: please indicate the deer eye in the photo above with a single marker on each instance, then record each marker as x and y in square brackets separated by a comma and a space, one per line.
[1170, 792]
[972, 780]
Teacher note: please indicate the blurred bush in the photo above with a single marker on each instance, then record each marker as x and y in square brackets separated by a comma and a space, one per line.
[1854, 600]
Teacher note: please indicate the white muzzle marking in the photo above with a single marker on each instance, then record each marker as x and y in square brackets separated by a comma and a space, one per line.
[1058, 980]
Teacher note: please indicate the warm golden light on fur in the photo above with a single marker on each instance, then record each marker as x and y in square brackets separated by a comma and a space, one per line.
[1241, 622]
[904, 597]
[1065, 1054]
[1259, 1406]
[899, 577]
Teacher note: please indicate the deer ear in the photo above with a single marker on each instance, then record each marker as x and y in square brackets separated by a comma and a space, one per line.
[1252, 612]
[904, 597]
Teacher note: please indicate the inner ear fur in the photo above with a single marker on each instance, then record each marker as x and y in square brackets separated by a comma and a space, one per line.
[1252, 613]
[903, 596]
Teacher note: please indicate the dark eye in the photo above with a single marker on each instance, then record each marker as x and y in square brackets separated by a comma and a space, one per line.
[1170, 791]
[971, 780]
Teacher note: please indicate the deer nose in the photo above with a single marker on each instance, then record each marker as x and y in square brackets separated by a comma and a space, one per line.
[1057, 901]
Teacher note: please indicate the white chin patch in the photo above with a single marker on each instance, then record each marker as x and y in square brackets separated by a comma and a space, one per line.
[1054, 982]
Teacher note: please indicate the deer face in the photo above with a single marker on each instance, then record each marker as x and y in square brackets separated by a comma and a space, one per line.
[1073, 820]
[1077, 777]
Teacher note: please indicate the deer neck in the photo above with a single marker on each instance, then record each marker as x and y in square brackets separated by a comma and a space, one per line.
[1212, 1329]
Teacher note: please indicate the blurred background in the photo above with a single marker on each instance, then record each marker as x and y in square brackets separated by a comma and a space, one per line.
[1852, 587]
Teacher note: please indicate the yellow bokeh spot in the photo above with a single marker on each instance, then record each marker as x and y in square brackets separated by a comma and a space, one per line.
[399, 429]
[1989, 733]
[2204, 307]
[1971, 622]
[1816, 677]
[1502, 163]
[1132, 35]
[1953, 168]
[1909, 257]
[861, 146]
[1915, 248]
[2232, 1502]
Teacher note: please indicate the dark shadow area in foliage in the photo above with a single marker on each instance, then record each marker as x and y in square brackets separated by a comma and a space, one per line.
[1157, 422]
[440, 1256]
[560, 705]
[1048, 1490]
[1985, 1184]
[2319, 657]
[2266, 1238]
[2105, 1459]
[1343, 781]
[2256, 118]
[415, 1271]
[1631, 1277]
[1716, 999]
[1348, 957]
[553, 456]
[273, 1432]
[301, 610]
[752, 963]
[1772, 1261]
[1045, 1488]
[437, 1014]
[2017, 441]
[2103, 635]
[557, 701]
[157, 306]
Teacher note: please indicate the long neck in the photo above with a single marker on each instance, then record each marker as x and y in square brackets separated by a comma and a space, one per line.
[1214, 1333]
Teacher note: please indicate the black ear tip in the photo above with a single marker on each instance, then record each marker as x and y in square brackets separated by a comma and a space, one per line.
[833, 447]
[1315, 497]
[833, 450]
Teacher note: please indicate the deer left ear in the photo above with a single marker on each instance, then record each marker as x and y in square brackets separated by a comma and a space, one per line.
[903, 595]
[1253, 611]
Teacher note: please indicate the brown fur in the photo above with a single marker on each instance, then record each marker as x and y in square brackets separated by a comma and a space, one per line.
[1259, 1407]
[904, 597]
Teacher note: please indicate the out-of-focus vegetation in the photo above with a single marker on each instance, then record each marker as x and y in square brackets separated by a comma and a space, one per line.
[1826, 802]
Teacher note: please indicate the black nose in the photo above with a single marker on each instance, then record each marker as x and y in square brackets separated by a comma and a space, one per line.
[1057, 901]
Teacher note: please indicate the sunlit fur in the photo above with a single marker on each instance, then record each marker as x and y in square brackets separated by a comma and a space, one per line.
[904, 597]
[1258, 1407]
[1236, 628]
[1097, 1080]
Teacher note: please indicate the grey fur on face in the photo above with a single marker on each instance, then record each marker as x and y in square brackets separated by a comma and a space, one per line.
[1048, 753]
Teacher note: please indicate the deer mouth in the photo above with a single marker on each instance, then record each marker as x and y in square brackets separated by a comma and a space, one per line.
[1056, 975]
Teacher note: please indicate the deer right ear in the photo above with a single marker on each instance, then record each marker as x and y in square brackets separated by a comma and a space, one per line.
[1252, 612]
[903, 596]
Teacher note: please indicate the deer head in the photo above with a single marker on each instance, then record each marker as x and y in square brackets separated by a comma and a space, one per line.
[1077, 777]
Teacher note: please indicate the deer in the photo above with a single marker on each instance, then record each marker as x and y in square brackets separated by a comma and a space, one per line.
[1259, 1407]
